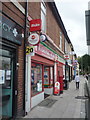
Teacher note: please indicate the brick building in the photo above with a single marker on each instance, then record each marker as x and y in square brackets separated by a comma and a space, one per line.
[31, 78]
[49, 55]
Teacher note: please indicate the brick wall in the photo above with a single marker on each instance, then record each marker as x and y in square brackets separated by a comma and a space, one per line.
[52, 27]
[34, 10]
[20, 80]
[10, 10]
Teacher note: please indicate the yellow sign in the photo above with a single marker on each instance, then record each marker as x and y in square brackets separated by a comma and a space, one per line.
[29, 50]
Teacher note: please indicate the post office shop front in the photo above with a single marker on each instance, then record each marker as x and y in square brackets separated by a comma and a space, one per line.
[42, 74]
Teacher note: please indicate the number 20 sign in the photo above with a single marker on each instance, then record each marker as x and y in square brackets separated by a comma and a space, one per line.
[29, 50]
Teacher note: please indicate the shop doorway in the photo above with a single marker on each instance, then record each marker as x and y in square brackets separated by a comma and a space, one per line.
[60, 77]
[7, 76]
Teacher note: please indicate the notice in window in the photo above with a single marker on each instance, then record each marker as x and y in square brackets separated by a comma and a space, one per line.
[2, 76]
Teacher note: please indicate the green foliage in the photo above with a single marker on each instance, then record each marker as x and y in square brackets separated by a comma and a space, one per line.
[84, 63]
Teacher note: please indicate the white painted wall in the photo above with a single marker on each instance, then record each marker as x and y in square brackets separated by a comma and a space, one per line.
[48, 91]
[28, 84]
[37, 99]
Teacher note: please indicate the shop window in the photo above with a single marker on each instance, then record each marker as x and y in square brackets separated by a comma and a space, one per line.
[5, 70]
[36, 78]
[66, 46]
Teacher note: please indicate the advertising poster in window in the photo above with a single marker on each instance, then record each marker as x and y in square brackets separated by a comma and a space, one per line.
[46, 76]
[36, 78]
[39, 86]
[2, 76]
[8, 74]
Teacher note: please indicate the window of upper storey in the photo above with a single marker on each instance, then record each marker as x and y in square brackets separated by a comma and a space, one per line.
[66, 46]
[60, 41]
[43, 16]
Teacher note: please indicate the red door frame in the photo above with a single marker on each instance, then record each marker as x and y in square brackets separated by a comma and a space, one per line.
[60, 76]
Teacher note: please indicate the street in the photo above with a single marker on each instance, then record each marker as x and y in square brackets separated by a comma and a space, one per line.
[70, 104]
[43, 48]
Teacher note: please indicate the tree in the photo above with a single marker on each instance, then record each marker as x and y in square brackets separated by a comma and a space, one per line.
[84, 63]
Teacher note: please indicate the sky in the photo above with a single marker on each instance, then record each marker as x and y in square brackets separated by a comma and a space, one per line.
[72, 13]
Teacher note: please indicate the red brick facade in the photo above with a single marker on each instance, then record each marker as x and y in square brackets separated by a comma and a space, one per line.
[52, 30]
[34, 10]
[52, 26]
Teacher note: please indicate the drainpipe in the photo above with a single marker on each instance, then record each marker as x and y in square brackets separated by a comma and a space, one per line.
[25, 42]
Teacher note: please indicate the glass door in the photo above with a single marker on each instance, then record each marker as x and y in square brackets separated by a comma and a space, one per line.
[6, 81]
[46, 76]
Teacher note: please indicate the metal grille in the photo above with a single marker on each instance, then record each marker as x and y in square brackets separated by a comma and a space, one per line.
[47, 102]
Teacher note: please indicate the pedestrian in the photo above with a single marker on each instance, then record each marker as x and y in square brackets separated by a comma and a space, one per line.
[87, 76]
[77, 80]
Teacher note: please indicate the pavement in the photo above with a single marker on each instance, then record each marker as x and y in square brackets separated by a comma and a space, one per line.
[70, 104]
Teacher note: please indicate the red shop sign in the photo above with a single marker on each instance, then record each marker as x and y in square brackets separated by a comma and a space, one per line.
[66, 57]
[43, 51]
[35, 25]
[33, 39]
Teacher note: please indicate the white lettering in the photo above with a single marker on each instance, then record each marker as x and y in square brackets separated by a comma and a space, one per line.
[7, 28]
[35, 25]
[48, 53]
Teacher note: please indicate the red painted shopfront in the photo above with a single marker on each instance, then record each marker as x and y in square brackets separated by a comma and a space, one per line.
[60, 75]
[45, 71]
[42, 71]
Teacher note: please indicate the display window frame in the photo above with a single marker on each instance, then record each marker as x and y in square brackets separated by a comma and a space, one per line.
[48, 86]
[32, 64]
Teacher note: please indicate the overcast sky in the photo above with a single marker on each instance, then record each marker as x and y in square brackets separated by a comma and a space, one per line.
[72, 13]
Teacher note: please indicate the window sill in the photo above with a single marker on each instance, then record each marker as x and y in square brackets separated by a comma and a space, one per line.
[37, 93]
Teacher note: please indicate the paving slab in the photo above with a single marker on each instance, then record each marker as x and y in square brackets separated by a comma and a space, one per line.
[66, 105]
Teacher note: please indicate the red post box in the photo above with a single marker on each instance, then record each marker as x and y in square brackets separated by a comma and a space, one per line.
[57, 88]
